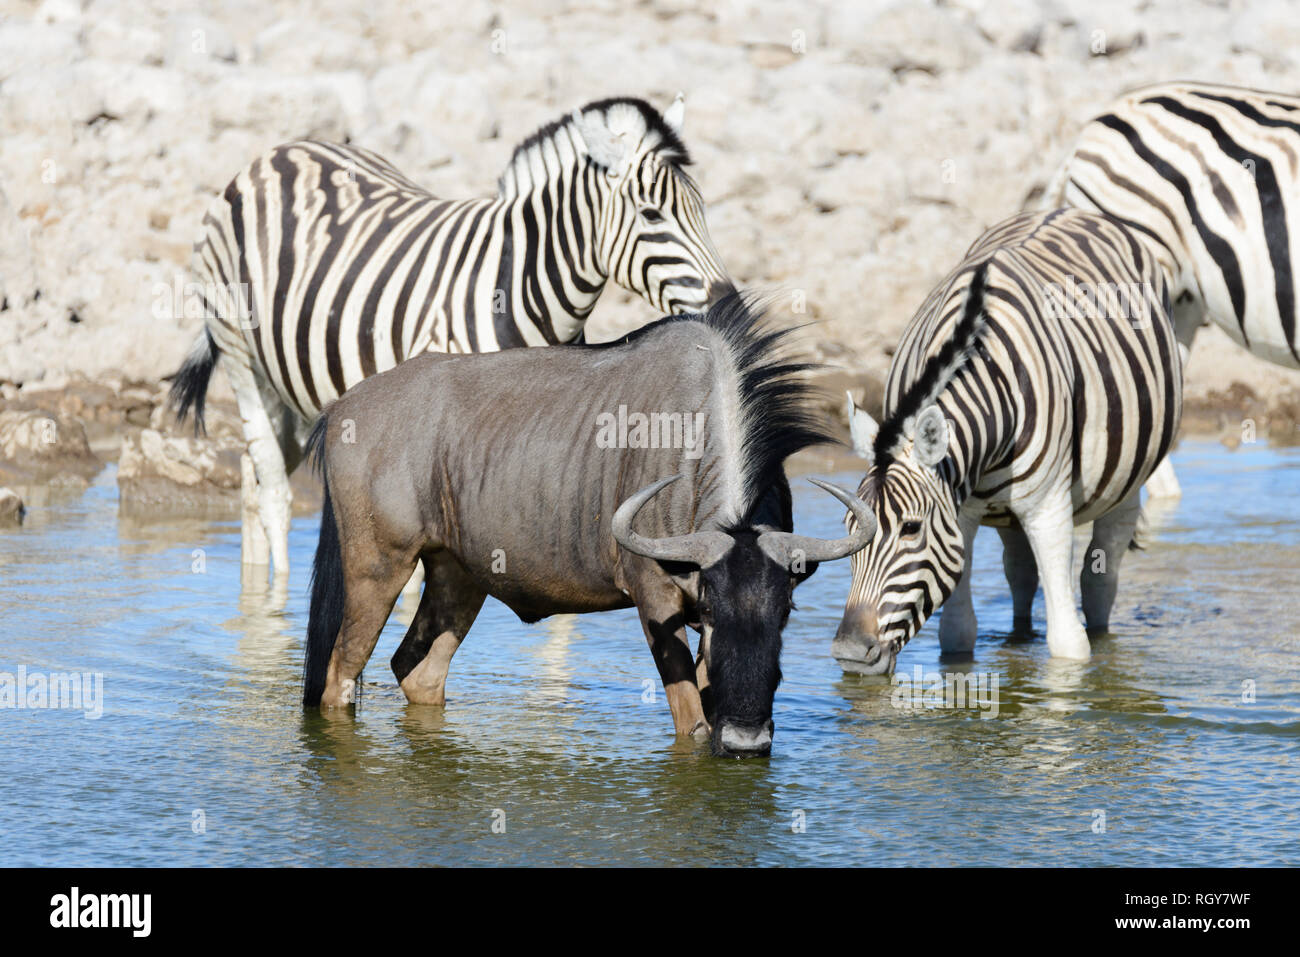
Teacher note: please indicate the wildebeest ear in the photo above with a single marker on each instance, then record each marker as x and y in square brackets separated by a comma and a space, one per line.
[676, 113]
[930, 441]
[863, 429]
[605, 147]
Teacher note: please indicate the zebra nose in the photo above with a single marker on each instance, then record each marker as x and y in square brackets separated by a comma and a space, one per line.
[720, 288]
[857, 645]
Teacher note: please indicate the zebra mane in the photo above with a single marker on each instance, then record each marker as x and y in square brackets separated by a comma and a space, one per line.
[896, 430]
[665, 140]
[777, 404]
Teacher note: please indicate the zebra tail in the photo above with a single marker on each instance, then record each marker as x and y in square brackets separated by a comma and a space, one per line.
[190, 386]
[325, 617]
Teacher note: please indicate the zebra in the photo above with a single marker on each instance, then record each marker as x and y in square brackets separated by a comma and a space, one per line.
[1209, 175]
[322, 265]
[1034, 390]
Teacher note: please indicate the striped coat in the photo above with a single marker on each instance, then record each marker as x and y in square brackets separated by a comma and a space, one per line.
[1035, 389]
[323, 265]
[1210, 176]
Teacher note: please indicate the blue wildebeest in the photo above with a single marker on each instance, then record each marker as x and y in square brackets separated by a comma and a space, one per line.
[521, 475]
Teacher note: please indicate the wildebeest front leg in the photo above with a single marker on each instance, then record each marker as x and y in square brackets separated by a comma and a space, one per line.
[448, 607]
[664, 621]
[702, 673]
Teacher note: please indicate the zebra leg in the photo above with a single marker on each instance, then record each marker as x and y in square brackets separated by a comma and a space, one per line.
[1022, 576]
[450, 603]
[254, 548]
[286, 425]
[411, 590]
[1163, 483]
[957, 624]
[1050, 531]
[264, 447]
[1099, 581]
[1188, 318]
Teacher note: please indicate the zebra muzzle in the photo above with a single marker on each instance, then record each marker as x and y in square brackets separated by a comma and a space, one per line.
[859, 651]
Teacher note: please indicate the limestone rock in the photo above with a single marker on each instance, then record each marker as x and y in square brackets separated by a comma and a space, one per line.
[174, 473]
[37, 445]
[11, 507]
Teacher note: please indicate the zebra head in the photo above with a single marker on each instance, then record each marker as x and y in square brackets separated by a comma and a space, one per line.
[915, 558]
[651, 236]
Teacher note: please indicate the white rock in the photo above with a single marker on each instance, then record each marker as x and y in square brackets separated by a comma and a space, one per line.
[11, 507]
[193, 41]
[305, 46]
[908, 37]
[28, 437]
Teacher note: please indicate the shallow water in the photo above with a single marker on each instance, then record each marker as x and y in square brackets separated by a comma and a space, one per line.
[556, 745]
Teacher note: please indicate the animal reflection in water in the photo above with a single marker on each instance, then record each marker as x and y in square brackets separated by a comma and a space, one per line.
[516, 498]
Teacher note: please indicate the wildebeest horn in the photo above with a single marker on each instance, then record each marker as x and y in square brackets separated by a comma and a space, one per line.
[698, 548]
[782, 546]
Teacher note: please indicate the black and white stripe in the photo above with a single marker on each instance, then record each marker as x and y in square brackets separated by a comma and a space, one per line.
[1035, 389]
[1210, 175]
[327, 265]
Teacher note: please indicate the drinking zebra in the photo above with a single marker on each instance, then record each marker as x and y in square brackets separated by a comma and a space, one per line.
[1035, 389]
[1208, 175]
[322, 265]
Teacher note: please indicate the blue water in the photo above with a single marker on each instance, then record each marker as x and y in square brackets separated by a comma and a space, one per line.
[556, 744]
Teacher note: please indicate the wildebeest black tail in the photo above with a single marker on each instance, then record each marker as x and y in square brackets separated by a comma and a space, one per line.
[326, 613]
[190, 387]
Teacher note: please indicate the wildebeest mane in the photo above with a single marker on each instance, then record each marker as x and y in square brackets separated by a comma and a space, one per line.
[935, 374]
[777, 405]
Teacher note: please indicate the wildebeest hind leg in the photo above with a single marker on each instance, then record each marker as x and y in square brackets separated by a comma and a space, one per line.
[450, 603]
[369, 601]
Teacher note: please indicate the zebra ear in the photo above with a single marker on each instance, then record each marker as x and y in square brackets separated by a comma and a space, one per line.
[676, 113]
[930, 443]
[863, 429]
[604, 146]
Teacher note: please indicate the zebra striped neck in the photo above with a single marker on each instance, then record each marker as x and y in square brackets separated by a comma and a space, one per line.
[537, 164]
[551, 232]
[973, 448]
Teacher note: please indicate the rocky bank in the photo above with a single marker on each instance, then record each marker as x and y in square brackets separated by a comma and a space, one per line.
[849, 151]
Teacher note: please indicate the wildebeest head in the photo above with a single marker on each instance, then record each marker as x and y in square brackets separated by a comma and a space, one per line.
[652, 237]
[743, 596]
